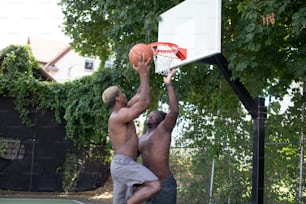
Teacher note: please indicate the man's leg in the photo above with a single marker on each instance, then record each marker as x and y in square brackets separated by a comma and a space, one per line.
[144, 192]
[119, 193]
[167, 194]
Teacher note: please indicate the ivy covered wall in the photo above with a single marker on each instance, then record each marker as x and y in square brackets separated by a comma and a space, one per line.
[74, 110]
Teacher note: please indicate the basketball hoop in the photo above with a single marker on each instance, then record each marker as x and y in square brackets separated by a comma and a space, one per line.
[164, 54]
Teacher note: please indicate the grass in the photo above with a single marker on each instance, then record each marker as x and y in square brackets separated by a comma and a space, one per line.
[37, 201]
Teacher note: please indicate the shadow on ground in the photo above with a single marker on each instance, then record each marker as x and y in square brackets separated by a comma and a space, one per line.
[102, 195]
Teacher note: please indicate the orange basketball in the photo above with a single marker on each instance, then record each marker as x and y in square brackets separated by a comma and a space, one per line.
[137, 50]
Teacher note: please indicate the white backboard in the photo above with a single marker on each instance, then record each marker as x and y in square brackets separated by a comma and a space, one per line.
[195, 25]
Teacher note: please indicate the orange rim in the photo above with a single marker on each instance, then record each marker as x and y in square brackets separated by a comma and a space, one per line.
[172, 48]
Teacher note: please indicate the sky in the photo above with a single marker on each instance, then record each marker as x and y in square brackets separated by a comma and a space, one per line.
[37, 18]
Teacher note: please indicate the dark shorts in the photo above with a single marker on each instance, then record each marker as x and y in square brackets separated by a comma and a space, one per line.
[167, 195]
[126, 172]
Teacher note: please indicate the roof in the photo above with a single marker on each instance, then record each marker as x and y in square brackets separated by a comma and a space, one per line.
[47, 52]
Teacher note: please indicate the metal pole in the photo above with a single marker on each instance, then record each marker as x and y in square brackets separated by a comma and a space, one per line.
[258, 112]
[33, 150]
[211, 182]
[302, 141]
[32, 164]
[258, 153]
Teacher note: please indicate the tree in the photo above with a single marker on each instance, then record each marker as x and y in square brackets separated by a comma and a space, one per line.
[264, 42]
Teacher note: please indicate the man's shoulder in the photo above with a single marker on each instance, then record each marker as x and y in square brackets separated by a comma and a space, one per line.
[116, 114]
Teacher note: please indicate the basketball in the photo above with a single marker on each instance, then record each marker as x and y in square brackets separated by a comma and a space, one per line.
[139, 49]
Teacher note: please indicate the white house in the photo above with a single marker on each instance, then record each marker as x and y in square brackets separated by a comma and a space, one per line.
[59, 62]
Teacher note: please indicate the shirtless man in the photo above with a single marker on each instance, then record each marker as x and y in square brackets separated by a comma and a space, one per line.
[125, 171]
[154, 146]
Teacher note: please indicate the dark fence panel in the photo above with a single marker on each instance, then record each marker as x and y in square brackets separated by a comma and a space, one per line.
[31, 159]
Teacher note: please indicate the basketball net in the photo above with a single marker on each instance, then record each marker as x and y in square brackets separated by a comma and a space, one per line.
[164, 53]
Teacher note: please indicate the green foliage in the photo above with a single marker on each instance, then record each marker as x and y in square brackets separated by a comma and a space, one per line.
[78, 104]
[266, 56]
[102, 27]
[71, 170]
[16, 71]
[17, 60]
[85, 23]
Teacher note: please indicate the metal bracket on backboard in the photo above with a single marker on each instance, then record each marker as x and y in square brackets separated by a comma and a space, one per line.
[181, 53]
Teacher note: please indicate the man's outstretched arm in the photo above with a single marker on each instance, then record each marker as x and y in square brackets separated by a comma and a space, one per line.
[171, 117]
[144, 88]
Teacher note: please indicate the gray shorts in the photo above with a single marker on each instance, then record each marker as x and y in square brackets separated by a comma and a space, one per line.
[126, 172]
[167, 195]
